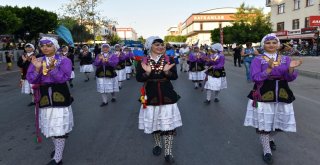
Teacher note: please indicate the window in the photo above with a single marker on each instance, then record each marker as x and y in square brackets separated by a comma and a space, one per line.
[295, 24]
[309, 3]
[280, 26]
[201, 26]
[268, 2]
[296, 4]
[307, 22]
[281, 8]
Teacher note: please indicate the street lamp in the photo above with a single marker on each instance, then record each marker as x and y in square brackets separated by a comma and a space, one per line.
[26, 35]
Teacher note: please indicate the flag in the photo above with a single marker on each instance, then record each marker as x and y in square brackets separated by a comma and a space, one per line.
[65, 34]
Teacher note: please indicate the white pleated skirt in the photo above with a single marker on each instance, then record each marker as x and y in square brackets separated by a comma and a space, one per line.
[55, 121]
[197, 75]
[128, 69]
[159, 118]
[107, 85]
[271, 116]
[86, 68]
[72, 75]
[216, 84]
[26, 87]
[121, 74]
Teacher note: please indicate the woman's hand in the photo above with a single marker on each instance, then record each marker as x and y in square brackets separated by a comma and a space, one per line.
[52, 62]
[168, 66]
[100, 57]
[37, 63]
[271, 64]
[295, 63]
[146, 68]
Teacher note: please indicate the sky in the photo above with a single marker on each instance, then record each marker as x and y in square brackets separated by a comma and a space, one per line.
[147, 17]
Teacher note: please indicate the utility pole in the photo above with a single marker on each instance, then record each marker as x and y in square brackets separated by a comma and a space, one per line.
[93, 23]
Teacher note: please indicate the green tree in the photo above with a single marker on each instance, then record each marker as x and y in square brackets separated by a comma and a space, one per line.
[113, 39]
[175, 38]
[9, 22]
[141, 39]
[80, 33]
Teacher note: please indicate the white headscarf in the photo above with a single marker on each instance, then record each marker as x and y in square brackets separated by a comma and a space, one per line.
[268, 37]
[29, 44]
[149, 41]
[217, 47]
[52, 40]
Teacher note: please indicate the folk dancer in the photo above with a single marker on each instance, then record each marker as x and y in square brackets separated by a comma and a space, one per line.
[270, 108]
[196, 63]
[54, 117]
[159, 114]
[86, 62]
[107, 81]
[215, 75]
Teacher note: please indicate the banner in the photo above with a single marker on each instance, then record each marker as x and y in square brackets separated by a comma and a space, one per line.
[65, 34]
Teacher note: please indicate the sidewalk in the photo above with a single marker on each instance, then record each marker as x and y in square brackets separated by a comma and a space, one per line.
[3, 68]
[309, 68]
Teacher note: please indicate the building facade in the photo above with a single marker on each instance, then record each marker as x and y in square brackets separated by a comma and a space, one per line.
[198, 26]
[127, 34]
[295, 19]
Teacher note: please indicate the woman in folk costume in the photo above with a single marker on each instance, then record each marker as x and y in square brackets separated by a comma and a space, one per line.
[121, 67]
[54, 117]
[65, 52]
[196, 63]
[129, 57]
[159, 113]
[215, 75]
[107, 81]
[86, 62]
[270, 108]
[23, 62]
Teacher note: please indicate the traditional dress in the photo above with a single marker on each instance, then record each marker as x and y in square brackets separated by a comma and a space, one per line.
[129, 57]
[53, 110]
[159, 112]
[86, 63]
[184, 52]
[121, 67]
[71, 57]
[196, 63]
[107, 81]
[216, 76]
[24, 62]
[270, 108]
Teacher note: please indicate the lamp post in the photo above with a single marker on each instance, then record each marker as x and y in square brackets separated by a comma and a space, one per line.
[26, 35]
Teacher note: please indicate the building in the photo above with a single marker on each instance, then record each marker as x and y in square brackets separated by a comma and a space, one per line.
[127, 34]
[295, 19]
[173, 31]
[198, 26]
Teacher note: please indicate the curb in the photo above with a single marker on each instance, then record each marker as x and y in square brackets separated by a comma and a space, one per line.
[305, 73]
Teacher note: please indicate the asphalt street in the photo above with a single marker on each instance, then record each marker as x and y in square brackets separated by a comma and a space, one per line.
[211, 134]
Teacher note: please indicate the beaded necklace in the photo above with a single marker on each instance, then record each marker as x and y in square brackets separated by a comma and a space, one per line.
[157, 67]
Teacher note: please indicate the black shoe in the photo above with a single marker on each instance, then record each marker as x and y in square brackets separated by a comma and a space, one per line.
[71, 85]
[86, 80]
[52, 154]
[156, 150]
[113, 100]
[103, 104]
[195, 87]
[207, 102]
[169, 159]
[53, 162]
[31, 104]
[216, 100]
[267, 158]
[120, 87]
[200, 85]
[273, 145]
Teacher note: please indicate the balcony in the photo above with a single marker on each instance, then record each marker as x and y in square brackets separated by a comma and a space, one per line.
[268, 3]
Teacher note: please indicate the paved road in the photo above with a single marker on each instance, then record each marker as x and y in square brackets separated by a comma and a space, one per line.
[211, 135]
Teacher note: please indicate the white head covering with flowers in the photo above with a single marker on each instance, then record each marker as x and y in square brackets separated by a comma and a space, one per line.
[48, 40]
[268, 37]
[29, 45]
[149, 41]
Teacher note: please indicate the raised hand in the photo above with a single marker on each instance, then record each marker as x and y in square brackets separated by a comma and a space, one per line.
[36, 62]
[24, 59]
[146, 68]
[100, 57]
[168, 66]
[295, 63]
[52, 63]
[271, 64]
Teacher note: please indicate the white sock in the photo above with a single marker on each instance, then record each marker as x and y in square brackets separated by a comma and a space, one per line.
[120, 83]
[59, 147]
[196, 84]
[265, 140]
[113, 95]
[209, 94]
[104, 97]
[32, 98]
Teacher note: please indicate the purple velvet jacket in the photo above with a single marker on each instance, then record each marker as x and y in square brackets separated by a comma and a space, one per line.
[218, 63]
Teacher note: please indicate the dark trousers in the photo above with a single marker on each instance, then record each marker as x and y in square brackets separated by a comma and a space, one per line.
[237, 58]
